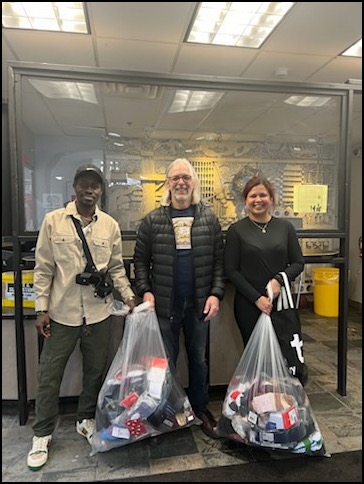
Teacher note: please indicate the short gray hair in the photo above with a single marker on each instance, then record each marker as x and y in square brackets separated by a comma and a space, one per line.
[196, 194]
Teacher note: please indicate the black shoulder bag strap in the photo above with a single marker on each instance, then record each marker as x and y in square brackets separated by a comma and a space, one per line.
[90, 263]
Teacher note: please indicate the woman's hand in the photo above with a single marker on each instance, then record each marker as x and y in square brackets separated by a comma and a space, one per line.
[264, 304]
[276, 287]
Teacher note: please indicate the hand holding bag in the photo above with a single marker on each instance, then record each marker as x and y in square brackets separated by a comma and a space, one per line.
[287, 325]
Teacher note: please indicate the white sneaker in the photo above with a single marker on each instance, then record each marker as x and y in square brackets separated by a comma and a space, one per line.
[38, 455]
[86, 428]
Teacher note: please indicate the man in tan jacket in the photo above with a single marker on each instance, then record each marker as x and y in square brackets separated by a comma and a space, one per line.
[69, 307]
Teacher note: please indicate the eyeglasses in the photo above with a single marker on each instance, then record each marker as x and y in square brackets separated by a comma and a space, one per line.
[177, 178]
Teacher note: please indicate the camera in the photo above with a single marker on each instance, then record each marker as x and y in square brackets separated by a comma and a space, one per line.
[86, 278]
[101, 281]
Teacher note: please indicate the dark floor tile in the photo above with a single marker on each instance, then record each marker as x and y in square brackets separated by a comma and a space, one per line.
[73, 475]
[306, 337]
[330, 344]
[133, 454]
[178, 442]
[355, 343]
[311, 386]
[325, 402]
[245, 453]
[344, 425]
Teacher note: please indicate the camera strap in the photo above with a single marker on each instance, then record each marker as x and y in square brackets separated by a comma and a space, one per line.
[90, 263]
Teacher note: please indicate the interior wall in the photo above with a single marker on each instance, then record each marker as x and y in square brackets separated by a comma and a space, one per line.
[356, 213]
[6, 176]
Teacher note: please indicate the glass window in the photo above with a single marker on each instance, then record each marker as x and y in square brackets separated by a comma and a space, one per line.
[133, 130]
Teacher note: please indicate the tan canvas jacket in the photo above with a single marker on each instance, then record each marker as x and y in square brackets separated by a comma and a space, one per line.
[60, 257]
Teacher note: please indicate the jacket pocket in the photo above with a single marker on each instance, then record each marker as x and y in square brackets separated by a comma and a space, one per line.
[64, 248]
[101, 250]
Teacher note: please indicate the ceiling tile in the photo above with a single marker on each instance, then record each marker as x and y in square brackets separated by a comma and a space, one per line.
[156, 22]
[213, 60]
[135, 55]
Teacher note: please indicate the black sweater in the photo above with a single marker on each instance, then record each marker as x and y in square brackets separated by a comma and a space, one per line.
[252, 258]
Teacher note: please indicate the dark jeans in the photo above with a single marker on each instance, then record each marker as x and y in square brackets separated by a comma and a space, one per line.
[56, 352]
[196, 338]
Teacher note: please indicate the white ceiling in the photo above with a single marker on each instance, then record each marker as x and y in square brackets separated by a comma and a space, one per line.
[149, 37]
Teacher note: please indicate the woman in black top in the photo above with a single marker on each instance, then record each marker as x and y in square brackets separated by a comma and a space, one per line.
[257, 249]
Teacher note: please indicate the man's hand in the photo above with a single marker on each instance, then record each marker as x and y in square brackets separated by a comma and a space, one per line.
[43, 325]
[149, 296]
[131, 303]
[211, 308]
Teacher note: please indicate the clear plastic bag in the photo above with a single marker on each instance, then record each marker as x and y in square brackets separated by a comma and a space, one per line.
[118, 308]
[141, 395]
[264, 405]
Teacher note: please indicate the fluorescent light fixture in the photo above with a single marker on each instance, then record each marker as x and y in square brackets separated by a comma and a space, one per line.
[357, 82]
[114, 135]
[51, 16]
[307, 101]
[354, 50]
[240, 24]
[185, 100]
[80, 91]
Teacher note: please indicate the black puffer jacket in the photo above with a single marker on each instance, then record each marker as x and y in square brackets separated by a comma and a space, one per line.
[155, 251]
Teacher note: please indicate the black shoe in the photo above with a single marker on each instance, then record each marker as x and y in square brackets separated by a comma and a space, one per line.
[209, 423]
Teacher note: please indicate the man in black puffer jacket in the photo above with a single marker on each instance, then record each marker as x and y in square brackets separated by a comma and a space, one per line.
[178, 263]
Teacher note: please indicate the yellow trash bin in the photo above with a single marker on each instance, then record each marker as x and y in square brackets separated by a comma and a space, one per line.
[326, 291]
[8, 289]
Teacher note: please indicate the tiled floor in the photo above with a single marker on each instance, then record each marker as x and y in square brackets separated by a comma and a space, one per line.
[339, 419]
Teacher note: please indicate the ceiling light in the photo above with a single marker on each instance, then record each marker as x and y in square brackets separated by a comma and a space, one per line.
[51, 16]
[241, 24]
[357, 82]
[185, 100]
[80, 91]
[307, 101]
[354, 50]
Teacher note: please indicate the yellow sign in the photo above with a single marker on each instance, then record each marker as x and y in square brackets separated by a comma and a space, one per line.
[310, 198]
